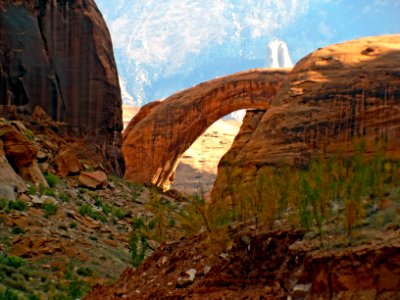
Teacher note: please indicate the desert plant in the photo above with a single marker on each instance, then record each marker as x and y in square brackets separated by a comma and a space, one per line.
[64, 197]
[49, 208]
[73, 225]
[86, 210]
[51, 179]
[29, 134]
[12, 261]
[31, 190]
[138, 245]
[17, 205]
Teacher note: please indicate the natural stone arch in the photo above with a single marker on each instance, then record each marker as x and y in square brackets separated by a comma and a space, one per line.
[162, 131]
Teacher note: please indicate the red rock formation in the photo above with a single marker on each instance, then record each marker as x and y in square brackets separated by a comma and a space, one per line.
[58, 55]
[333, 96]
[157, 137]
[21, 154]
[266, 265]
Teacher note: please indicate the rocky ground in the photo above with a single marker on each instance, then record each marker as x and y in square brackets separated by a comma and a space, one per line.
[66, 227]
[65, 224]
[245, 263]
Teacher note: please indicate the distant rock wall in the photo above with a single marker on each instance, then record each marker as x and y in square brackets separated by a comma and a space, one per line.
[334, 96]
[58, 54]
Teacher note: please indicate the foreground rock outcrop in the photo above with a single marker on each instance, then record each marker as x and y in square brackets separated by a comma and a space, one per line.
[332, 98]
[58, 55]
[159, 134]
[237, 264]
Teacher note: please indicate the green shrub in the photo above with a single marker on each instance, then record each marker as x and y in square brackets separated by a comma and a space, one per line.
[17, 230]
[12, 261]
[9, 294]
[50, 192]
[64, 197]
[119, 213]
[3, 204]
[84, 271]
[152, 224]
[138, 245]
[51, 179]
[17, 205]
[31, 190]
[76, 289]
[86, 210]
[73, 224]
[49, 208]
[29, 135]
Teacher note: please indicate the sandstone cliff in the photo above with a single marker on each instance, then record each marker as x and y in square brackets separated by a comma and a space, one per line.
[160, 133]
[332, 97]
[58, 55]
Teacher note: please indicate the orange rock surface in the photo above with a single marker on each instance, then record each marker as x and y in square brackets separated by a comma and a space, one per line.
[333, 97]
[157, 137]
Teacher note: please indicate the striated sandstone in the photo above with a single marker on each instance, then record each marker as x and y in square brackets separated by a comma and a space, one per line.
[21, 155]
[58, 55]
[158, 136]
[333, 97]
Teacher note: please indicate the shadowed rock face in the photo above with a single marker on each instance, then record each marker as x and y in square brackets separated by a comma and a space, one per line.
[333, 96]
[155, 139]
[58, 55]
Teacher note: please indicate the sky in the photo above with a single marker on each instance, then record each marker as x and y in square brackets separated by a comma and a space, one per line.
[163, 46]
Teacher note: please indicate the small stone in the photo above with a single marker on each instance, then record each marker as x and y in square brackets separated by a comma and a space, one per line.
[48, 199]
[41, 155]
[192, 274]
[36, 200]
[224, 256]
[301, 290]
[19, 125]
[207, 269]
[24, 197]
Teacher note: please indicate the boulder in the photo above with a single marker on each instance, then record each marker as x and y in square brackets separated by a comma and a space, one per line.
[93, 180]
[67, 162]
[9, 179]
[21, 154]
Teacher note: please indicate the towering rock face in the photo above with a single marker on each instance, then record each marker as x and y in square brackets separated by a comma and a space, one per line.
[332, 97]
[57, 54]
[161, 132]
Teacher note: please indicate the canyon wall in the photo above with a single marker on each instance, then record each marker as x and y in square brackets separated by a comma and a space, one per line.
[57, 54]
[333, 98]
